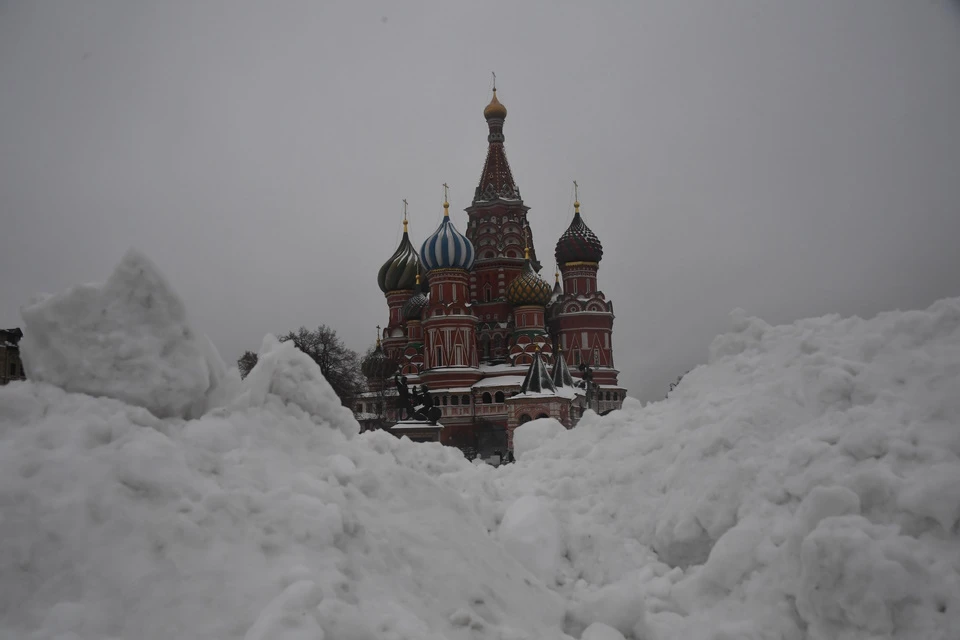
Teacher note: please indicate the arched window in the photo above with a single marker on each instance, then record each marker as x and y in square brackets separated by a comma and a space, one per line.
[486, 397]
[455, 400]
[465, 399]
[499, 397]
[485, 346]
[497, 344]
[596, 357]
[609, 396]
[439, 361]
[487, 293]
[524, 418]
[445, 399]
[542, 415]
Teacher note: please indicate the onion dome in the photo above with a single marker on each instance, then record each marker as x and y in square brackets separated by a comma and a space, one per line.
[528, 288]
[400, 271]
[413, 307]
[495, 109]
[578, 243]
[374, 365]
[447, 248]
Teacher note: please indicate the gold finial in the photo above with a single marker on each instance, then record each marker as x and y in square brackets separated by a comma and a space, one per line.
[495, 109]
[378, 335]
[418, 278]
[446, 203]
[556, 274]
[526, 243]
[404, 215]
[576, 197]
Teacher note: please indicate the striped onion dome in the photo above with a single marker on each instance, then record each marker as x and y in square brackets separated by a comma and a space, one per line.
[528, 288]
[578, 243]
[447, 248]
[400, 271]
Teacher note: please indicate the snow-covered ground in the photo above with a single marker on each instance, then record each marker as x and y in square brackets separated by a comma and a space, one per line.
[803, 484]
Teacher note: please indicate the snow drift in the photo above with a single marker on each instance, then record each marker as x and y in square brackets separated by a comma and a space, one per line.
[803, 484]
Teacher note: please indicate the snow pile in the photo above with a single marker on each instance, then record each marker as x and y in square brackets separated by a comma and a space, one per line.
[804, 483]
[531, 435]
[263, 519]
[126, 339]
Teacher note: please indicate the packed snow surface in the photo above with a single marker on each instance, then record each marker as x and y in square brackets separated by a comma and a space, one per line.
[803, 484]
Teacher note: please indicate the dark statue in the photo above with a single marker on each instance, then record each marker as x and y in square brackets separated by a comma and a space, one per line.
[416, 404]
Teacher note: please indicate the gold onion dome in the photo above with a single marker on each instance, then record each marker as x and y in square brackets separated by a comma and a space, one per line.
[528, 288]
[399, 273]
[495, 109]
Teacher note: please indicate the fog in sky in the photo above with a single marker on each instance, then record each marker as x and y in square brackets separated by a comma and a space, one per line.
[793, 158]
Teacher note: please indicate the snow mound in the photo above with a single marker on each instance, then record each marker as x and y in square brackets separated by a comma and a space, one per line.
[127, 339]
[285, 372]
[263, 518]
[530, 533]
[804, 483]
[531, 435]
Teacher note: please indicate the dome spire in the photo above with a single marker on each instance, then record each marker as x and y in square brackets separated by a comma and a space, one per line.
[446, 200]
[404, 215]
[576, 197]
[378, 336]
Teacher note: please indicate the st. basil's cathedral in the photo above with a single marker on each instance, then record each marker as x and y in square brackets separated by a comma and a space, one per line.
[471, 319]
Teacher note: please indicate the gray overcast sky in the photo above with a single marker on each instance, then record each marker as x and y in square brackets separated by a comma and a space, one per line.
[792, 158]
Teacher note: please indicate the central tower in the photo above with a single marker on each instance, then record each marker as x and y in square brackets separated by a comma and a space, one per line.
[497, 218]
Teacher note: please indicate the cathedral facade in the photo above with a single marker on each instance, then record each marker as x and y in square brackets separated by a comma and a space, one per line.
[470, 319]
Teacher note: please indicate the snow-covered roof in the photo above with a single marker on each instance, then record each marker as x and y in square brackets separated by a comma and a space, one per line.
[499, 381]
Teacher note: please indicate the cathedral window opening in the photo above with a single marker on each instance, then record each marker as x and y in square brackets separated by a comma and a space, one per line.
[487, 295]
[486, 397]
[499, 397]
[458, 353]
[576, 356]
[542, 415]
[444, 400]
[525, 418]
[439, 355]
[465, 400]
[454, 400]
[596, 356]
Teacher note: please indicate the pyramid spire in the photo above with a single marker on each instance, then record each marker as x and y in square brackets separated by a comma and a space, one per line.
[537, 379]
[496, 181]
[561, 374]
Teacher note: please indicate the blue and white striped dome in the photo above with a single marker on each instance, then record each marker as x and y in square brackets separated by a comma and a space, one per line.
[447, 248]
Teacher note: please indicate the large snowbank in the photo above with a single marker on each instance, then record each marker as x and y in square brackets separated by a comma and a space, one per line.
[264, 518]
[803, 484]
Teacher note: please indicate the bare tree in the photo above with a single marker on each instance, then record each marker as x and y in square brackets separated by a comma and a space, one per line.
[379, 369]
[246, 363]
[338, 364]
